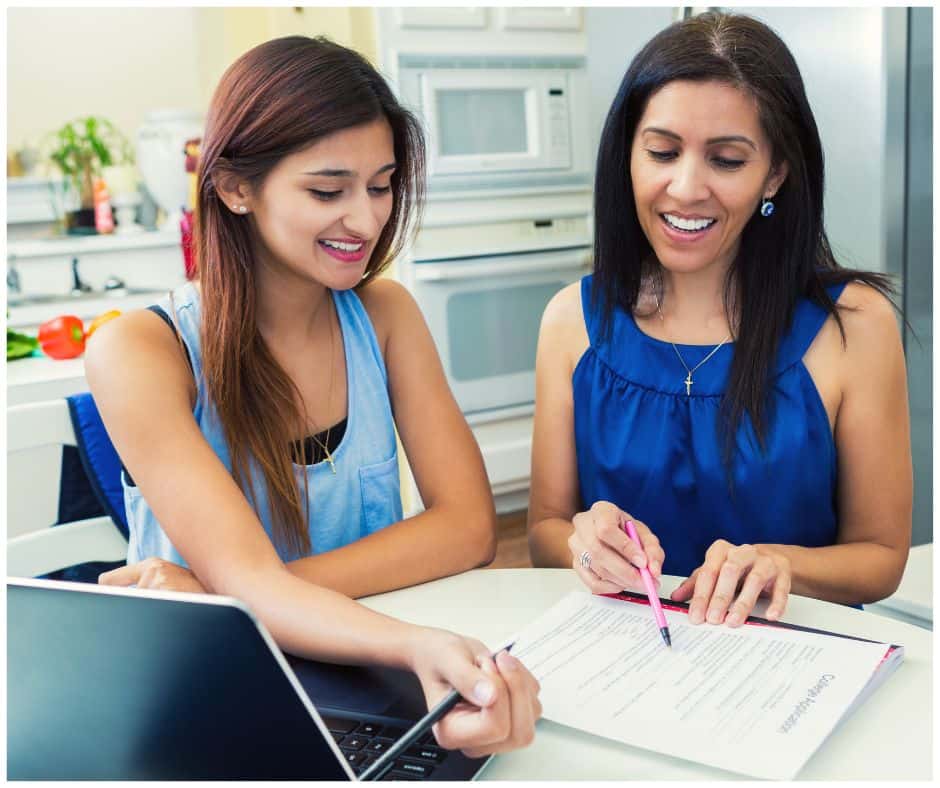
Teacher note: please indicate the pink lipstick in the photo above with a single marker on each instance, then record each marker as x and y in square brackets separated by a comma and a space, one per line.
[345, 255]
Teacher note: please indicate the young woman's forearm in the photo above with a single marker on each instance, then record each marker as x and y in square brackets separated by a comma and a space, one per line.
[548, 542]
[319, 623]
[853, 574]
[437, 543]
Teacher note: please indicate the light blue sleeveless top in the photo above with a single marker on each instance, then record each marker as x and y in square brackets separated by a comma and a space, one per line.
[362, 497]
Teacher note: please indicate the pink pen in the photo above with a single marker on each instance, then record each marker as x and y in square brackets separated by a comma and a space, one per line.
[650, 587]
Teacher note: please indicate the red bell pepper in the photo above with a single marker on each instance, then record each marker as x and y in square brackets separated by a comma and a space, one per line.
[62, 337]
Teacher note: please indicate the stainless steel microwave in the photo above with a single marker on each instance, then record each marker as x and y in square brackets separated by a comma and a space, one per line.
[500, 123]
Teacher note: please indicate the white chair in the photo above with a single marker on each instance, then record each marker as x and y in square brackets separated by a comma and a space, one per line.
[35, 435]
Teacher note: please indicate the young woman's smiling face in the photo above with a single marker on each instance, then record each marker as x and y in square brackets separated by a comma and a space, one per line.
[321, 210]
[700, 165]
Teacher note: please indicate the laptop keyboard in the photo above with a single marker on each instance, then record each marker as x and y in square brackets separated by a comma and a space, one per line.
[363, 742]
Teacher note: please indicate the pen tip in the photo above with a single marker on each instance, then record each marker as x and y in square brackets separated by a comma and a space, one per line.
[665, 634]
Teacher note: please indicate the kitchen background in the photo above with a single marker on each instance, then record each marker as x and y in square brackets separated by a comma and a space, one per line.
[494, 247]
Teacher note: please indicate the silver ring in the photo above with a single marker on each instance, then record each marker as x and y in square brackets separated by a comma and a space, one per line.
[585, 560]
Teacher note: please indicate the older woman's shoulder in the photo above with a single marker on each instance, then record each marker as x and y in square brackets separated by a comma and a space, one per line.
[863, 304]
[563, 335]
[861, 296]
[564, 308]
[869, 319]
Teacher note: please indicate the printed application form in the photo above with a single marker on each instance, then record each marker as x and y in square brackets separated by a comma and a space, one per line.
[757, 699]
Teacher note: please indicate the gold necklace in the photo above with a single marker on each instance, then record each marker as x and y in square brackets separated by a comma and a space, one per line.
[329, 401]
[688, 377]
[324, 446]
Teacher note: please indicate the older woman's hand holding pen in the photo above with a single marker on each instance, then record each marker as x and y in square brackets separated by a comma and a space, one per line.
[606, 559]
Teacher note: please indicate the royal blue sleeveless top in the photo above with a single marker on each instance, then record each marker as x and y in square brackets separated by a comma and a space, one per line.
[362, 495]
[645, 445]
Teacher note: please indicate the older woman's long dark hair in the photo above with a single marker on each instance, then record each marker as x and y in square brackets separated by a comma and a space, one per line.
[276, 99]
[780, 259]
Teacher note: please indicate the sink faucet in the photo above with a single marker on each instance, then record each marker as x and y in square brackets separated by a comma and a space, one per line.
[79, 287]
[13, 280]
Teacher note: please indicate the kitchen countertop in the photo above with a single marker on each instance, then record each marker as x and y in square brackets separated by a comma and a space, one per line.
[40, 378]
[27, 317]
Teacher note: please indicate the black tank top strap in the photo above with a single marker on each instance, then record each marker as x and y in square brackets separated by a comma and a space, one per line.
[309, 451]
[160, 312]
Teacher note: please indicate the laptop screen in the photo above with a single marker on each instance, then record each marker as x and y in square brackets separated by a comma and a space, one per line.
[119, 684]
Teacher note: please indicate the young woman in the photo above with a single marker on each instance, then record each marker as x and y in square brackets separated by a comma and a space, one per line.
[257, 420]
[720, 379]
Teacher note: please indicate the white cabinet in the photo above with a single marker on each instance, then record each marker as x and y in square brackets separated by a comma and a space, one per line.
[478, 17]
[529, 18]
[450, 17]
[32, 200]
[507, 452]
[476, 31]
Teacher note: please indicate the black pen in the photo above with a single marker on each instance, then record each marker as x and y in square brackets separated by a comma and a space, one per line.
[378, 769]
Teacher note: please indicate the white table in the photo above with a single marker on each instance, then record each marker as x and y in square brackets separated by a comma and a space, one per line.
[888, 738]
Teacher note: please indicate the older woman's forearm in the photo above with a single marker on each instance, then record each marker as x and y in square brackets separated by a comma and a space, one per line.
[548, 542]
[852, 573]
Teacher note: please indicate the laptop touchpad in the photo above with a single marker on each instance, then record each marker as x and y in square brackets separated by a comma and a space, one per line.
[368, 690]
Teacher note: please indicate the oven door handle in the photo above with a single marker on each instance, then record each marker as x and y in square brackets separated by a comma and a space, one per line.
[559, 261]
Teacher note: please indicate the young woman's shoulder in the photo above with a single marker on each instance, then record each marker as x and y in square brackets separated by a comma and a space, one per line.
[135, 331]
[138, 340]
[390, 307]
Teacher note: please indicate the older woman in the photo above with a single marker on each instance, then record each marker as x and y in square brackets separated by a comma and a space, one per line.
[720, 379]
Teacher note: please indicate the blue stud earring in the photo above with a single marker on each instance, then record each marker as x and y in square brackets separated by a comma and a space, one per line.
[766, 207]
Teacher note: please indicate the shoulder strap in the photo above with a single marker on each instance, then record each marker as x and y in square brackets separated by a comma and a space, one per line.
[589, 308]
[808, 320]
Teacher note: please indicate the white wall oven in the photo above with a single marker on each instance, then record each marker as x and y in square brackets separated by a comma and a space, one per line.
[484, 309]
[500, 122]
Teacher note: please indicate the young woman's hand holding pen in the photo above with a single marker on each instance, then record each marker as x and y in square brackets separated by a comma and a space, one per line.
[502, 703]
[605, 558]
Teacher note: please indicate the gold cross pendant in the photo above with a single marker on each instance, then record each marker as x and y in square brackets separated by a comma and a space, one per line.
[688, 384]
[329, 459]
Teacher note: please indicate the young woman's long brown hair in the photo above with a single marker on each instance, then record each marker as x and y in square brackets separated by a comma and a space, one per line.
[277, 99]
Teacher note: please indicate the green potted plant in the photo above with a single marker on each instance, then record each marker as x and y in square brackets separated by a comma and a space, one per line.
[81, 149]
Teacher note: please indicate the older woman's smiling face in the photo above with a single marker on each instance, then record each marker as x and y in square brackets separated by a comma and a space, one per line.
[700, 165]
